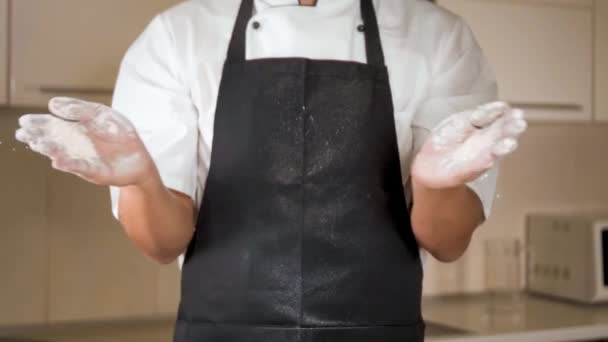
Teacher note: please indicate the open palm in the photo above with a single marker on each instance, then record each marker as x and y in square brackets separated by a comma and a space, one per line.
[88, 139]
[465, 145]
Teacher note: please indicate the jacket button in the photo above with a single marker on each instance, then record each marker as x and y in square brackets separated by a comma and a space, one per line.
[256, 25]
[361, 28]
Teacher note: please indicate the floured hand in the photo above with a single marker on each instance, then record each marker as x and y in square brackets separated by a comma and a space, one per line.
[97, 144]
[465, 145]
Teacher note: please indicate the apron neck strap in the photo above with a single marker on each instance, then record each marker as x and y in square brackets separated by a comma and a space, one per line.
[238, 42]
[373, 45]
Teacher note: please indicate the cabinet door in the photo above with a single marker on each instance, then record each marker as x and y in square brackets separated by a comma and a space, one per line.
[541, 51]
[95, 271]
[168, 289]
[601, 60]
[3, 52]
[23, 234]
[72, 47]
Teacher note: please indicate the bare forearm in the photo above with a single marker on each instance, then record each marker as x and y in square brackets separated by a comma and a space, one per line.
[158, 221]
[444, 220]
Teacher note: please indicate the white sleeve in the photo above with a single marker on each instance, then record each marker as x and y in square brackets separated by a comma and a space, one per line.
[152, 93]
[461, 80]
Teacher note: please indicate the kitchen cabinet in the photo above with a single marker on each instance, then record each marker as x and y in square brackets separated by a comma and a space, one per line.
[540, 50]
[3, 52]
[23, 235]
[95, 271]
[168, 290]
[535, 319]
[72, 47]
[601, 60]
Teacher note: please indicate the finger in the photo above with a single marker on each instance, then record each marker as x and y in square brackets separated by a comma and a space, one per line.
[34, 120]
[72, 109]
[504, 147]
[518, 114]
[29, 136]
[512, 125]
[487, 114]
[46, 147]
[485, 162]
[515, 128]
[515, 114]
[24, 136]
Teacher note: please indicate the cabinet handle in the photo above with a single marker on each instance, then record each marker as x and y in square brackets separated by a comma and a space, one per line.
[74, 90]
[547, 106]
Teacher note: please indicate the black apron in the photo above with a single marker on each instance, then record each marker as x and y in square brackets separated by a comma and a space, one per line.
[303, 233]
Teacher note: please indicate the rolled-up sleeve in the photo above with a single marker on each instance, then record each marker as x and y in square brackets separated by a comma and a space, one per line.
[461, 79]
[152, 93]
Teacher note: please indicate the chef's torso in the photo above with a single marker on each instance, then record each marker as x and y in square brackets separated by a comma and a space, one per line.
[169, 79]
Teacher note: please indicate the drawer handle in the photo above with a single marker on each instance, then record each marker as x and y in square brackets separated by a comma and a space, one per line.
[74, 90]
[547, 105]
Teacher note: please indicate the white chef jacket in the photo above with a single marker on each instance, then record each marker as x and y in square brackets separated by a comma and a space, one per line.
[169, 78]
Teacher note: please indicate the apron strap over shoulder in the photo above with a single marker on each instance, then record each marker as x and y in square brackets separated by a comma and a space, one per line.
[236, 49]
[373, 45]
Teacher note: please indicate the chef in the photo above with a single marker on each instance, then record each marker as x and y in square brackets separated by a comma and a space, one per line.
[298, 157]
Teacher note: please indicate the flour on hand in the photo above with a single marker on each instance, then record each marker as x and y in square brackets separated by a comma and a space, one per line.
[87, 139]
[69, 136]
[465, 145]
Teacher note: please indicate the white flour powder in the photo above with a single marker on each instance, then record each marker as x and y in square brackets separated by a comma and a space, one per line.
[69, 136]
[77, 145]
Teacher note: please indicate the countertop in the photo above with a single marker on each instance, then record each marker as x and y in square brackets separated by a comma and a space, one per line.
[462, 318]
[144, 329]
[537, 319]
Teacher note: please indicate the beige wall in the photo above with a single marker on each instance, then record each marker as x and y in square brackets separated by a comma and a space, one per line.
[558, 167]
[62, 255]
